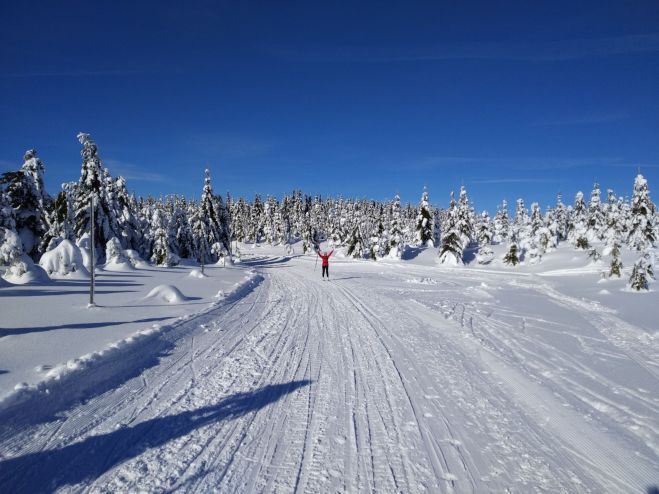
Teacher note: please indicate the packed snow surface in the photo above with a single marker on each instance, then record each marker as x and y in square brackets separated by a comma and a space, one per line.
[391, 377]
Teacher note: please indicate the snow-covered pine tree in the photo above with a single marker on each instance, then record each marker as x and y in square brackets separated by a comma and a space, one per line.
[396, 245]
[179, 233]
[124, 206]
[538, 235]
[452, 247]
[424, 221]
[161, 254]
[615, 267]
[93, 181]
[561, 217]
[596, 218]
[484, 234]
[578, 223]
[61, 219]
[641, 231]
[29, 200]
[355, 242]
[466, 221]
[642, 273]
[255, 232]
[501, 223]
[512, 256]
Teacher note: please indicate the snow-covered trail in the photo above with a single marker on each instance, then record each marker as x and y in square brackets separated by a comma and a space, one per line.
[366, 383]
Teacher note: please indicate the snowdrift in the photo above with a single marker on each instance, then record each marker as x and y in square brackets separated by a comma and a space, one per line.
[166, 293]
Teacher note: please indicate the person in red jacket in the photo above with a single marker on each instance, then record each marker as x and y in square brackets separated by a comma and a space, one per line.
[325, 258]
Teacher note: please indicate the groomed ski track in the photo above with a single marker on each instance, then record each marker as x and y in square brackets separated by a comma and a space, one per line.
[365, 383]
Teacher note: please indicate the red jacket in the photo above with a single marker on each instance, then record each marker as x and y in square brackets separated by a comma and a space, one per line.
[325, 257]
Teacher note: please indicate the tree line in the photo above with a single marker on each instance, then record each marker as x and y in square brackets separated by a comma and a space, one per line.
[167, 229]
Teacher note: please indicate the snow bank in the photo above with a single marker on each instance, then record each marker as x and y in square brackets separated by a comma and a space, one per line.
[96, 371]
[195, 273]
[65, 260]
[166, 293]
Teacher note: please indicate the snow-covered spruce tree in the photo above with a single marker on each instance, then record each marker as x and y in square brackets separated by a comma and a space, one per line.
[29, 201]
[641, 231]
[225, 230]
[269, 210]
[125, 207]
[578, 223]
[512, 256]
[309, 244]
[424, 221]
[240, 216]
[615, 266]
[255, 232]
[114, 252]
[436, 226]
[642, 273]
[465, 219]
[11, 251]
[202, 250]
[551, 226]
[179, 233]
[538, 237]
[61, 220]
[501, 223]
[561, 218]
[161, 254]
[484, 234]
[92, 181]
[451, 249]
[356, 243]
[596, 218]
[396, 245]
[613, 221]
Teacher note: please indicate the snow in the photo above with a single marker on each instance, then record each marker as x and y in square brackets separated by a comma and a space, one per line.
[394, 376]
[167, 293]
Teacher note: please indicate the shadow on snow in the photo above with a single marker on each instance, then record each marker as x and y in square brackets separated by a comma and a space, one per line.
[85, 461]
[87, 325]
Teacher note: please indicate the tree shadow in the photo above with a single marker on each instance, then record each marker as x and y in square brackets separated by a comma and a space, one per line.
[2, 371]
[411, 252]
[87, 325]
[85, 461]
[263, 261]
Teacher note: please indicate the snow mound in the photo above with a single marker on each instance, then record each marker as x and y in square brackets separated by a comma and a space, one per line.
[604, 292]
[26, 271]
[64, 260]
[167, 293]
[119, 265]
[195, 273]
[135, 259]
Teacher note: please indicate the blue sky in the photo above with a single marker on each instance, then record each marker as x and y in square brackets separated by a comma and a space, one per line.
[365, 99]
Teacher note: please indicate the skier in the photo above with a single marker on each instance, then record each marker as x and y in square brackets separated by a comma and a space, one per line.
[325, 258]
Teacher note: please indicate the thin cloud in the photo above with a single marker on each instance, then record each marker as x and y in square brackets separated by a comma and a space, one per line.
[553, 51]
[134, 172]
